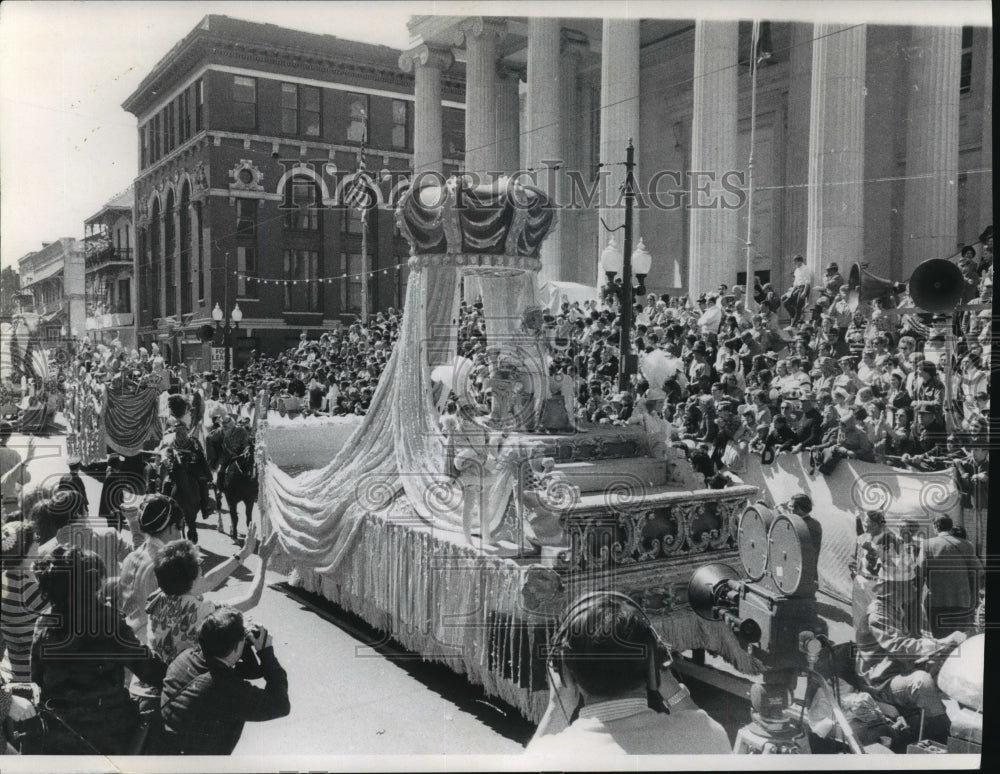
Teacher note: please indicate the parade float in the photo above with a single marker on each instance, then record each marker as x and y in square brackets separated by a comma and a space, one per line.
[463, 536]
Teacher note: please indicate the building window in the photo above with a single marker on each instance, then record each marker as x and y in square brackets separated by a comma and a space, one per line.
[182, 116]
[246, 217]
[289, 108]
[352, 220]
[156, 137]
[199, 104]
[246, 265]
[302, 289]
[199, 257]
[144, 133]
[244, 102]
[302, 204]
[171, 127]
[169, 247]
[965, 79]
[300, 110]
[350, 289]
[400, 124]
[124, 296]
[358, 117]
[311, 111]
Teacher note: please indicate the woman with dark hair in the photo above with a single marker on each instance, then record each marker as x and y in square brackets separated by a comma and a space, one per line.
[175, 612]
[81, 648]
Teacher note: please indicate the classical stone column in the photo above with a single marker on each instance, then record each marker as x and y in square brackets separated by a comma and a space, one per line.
[575, 267]
[544, 129]
[930, 207]
[481, 90]
[836, 149]
[427, 64]
[619, 120]
[714, 255]
[986, 159]
[796, 151]
[509, 117]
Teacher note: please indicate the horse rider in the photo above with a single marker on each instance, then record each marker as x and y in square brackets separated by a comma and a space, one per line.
[186, 451]
[225, 444]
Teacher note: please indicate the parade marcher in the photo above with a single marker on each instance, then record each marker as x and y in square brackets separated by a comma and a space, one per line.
[178, 447]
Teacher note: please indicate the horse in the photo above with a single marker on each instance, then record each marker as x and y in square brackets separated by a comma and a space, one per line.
[181, 485]
[240, 486]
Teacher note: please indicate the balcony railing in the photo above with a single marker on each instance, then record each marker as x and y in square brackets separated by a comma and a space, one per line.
[109, 257]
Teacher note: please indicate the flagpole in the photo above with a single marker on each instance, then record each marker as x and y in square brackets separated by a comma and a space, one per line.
[364, 231]
[748, 295]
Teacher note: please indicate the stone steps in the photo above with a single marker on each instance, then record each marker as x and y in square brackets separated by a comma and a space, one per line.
[599, 475]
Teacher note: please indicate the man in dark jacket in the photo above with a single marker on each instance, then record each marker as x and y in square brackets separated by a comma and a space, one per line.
[206, 698]
[949, 569]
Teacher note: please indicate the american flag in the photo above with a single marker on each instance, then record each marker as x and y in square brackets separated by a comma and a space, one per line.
[360, 194]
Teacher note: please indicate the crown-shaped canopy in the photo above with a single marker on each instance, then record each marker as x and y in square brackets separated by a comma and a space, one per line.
[499, 219]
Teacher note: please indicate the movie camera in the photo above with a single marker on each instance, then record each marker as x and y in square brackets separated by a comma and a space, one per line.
[771, 608]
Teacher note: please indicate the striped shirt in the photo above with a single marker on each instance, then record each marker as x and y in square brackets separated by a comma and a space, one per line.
[21, 605]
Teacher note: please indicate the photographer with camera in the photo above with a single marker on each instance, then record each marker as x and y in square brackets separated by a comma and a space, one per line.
[609, 692]
[206, 696]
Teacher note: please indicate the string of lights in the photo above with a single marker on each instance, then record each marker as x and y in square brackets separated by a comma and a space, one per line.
[322, 280]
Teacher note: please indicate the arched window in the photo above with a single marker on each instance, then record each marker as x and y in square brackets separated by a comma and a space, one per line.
[155, 259]
[185, 235]
[169, 245]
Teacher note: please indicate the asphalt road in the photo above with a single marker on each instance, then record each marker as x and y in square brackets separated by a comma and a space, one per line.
[352, 691]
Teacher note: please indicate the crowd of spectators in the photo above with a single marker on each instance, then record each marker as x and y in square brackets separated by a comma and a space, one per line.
[85, 608]
[718, 378]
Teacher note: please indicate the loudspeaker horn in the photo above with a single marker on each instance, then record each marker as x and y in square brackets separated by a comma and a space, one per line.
[206, 333]
[862, 285]
[937, 285]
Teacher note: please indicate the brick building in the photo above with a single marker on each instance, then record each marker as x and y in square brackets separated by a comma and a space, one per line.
[248, 136]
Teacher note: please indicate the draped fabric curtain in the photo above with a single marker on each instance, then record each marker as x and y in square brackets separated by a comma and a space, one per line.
[130, 420]
[398, 447]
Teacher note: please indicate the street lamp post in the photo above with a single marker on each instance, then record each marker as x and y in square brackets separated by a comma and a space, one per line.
[227, 328]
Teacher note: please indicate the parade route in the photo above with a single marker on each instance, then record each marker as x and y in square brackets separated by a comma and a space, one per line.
[347, 697]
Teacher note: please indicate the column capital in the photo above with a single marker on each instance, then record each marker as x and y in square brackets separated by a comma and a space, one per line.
[573, 43]
[480, 27]
[426, 55]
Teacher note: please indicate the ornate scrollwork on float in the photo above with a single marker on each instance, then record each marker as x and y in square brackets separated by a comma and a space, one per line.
[632, 536]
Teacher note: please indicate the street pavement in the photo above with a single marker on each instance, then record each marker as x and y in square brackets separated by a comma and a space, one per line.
[347, 697]
[351, 691]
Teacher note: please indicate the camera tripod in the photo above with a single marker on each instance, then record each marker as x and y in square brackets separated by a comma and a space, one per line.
[770, 731]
